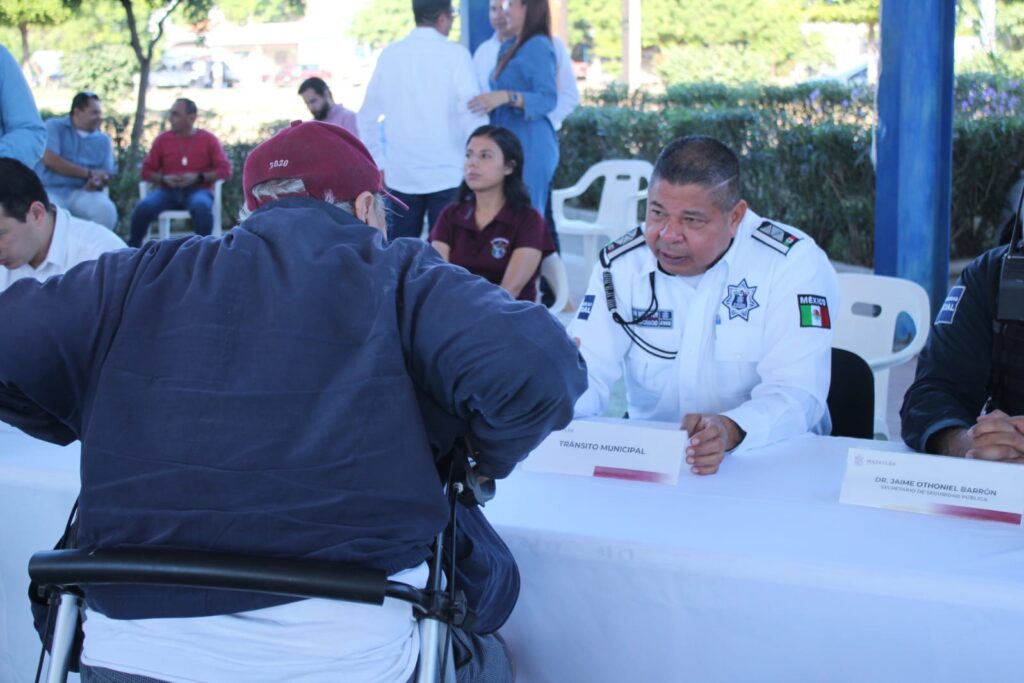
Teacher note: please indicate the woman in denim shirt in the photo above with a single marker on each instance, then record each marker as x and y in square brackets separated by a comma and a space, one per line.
[524, 91]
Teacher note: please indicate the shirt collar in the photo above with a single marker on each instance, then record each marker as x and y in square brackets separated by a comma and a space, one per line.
[58, 252]
[463, 216]
[426, 33]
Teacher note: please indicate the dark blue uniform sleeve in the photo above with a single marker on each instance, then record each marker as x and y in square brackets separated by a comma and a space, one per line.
[55, 335]
[506, 369]
[951, 384]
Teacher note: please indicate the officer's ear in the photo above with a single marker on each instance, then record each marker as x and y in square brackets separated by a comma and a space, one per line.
[736, 215]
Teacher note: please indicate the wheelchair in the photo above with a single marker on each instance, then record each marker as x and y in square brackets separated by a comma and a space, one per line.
[58, 575]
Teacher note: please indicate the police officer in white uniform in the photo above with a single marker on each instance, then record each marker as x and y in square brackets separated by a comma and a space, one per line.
[719, 317]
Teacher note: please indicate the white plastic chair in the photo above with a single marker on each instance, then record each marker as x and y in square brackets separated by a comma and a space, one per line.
[625, 182]
[164, 219]
[866, 324]
[553, 270]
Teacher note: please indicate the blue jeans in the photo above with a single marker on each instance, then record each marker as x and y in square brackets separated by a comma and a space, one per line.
[198, 201]
[409, 222]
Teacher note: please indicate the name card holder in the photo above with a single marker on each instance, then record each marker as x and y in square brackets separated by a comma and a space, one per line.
[934, 485]
[634, 450]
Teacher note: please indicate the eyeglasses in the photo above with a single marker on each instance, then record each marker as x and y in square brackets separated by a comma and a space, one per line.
[505, 4]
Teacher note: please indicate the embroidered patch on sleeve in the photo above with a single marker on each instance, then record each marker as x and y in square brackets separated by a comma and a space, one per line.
[775, 237]
[949, 306]
[586, 307]
[813, 311]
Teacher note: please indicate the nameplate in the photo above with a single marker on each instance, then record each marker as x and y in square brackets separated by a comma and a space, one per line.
[614, 449]
[934, 485]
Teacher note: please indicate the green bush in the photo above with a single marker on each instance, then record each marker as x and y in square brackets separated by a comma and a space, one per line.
[107, 70]
[806, 151]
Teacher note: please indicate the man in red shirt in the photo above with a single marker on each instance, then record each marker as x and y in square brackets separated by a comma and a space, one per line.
[184, 163]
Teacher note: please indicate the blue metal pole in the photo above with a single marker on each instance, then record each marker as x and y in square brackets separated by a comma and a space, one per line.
[915, 143]
[475, 22]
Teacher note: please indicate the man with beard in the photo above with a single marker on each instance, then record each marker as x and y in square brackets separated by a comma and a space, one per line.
[320, 102]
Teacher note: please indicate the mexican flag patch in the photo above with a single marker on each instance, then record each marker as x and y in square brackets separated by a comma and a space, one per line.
[813, 311]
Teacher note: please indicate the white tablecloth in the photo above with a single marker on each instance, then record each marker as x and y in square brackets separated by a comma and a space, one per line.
[755, 574]
[38, 485]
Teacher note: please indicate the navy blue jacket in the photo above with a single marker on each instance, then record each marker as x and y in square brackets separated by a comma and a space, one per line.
[263, 393]
[954, 368]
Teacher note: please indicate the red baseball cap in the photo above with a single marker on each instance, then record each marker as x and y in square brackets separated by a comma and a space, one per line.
[327, 158]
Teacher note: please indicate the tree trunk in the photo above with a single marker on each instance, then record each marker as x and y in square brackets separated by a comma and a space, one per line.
[23, 28]
[140, 109]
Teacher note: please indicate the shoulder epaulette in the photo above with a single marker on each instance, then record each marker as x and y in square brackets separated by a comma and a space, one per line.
[771, 235]
[623, 244]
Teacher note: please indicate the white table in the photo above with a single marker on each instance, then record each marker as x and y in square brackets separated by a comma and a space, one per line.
[755, 574]
[38, 485]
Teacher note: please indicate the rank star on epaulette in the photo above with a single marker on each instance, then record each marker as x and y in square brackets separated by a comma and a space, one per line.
[775, 237]
[739, 300]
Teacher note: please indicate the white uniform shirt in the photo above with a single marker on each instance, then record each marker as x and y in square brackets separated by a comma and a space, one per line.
[753, 334]
[486, 58]
[415, 118]
[74, 240]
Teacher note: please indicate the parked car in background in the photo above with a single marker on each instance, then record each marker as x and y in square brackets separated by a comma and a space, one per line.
[193, 73]
[296, 73]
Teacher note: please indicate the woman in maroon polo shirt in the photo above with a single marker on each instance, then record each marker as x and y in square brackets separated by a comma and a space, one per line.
[491, 230]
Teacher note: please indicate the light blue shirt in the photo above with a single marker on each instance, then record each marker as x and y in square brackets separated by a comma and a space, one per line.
[22, 135]
[89, 150]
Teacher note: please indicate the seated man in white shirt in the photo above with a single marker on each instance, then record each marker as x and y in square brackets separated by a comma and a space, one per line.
[38, 240]
[720, 317]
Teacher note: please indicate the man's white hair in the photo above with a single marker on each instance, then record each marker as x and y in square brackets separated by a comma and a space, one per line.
[271, 190]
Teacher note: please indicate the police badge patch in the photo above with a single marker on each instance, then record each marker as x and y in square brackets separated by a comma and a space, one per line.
[740, 300]
[775, 237]
[499, 247]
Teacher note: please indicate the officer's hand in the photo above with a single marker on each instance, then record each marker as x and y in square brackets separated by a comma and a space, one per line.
[997, 436]
[710, 437]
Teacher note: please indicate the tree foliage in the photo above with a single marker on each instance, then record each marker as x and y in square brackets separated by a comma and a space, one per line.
[382, 22]
[24, 13]
[107, 70]
[245, 11]
[844, 11]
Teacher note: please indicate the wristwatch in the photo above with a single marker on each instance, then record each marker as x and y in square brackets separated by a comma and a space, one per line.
[513, 98]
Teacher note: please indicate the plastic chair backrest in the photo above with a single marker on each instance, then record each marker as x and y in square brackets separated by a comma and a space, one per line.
[851, 396]
[553, 270]
[623, 179]
[865, 323]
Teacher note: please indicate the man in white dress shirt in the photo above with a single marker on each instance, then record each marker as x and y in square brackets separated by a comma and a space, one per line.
[38, 240]
[415, 118]
[719, 317]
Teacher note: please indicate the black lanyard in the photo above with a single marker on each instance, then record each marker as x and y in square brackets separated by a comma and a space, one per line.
[627, 325]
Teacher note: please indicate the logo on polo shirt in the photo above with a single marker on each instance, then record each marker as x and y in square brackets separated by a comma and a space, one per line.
[499, 247]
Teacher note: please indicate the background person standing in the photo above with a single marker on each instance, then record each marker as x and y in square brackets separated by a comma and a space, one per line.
[415, 117]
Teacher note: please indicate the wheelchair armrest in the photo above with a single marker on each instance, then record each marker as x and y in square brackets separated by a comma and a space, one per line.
[302, 578]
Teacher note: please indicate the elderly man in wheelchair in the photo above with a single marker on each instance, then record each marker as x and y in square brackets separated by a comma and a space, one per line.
[279, 400]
